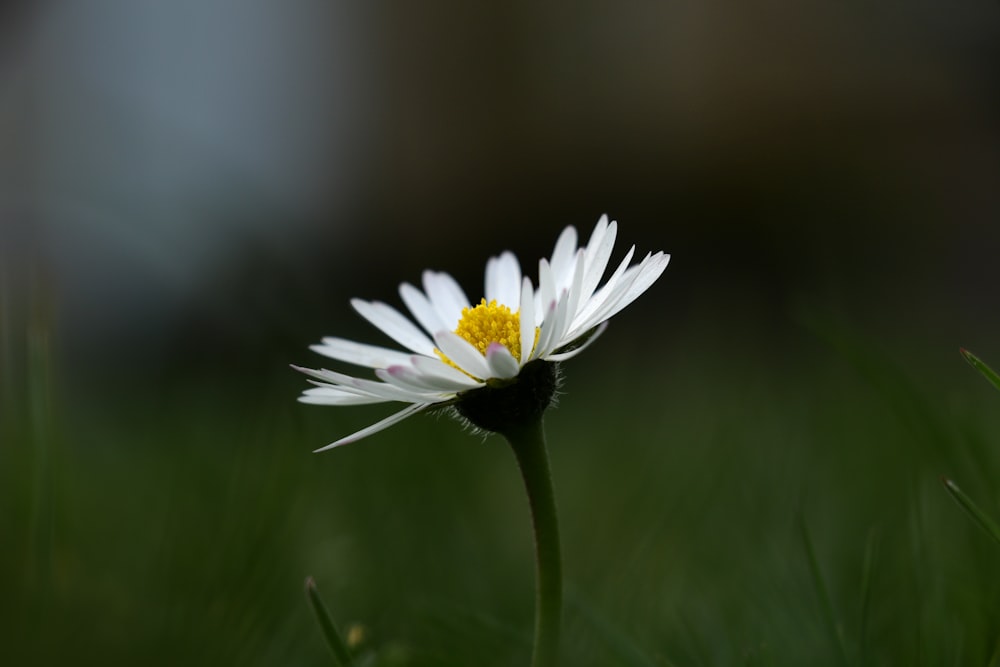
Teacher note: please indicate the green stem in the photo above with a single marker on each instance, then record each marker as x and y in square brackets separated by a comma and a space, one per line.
[528, 442]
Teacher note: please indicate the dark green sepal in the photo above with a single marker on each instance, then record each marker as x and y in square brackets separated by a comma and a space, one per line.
[503, 405]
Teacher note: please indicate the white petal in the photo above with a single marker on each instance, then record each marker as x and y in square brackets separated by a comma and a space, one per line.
[544, 332]
[339, 387]
[502, 362]
[597, 300]
[376, 427]
[546, 291]
[421, 308]
[398, 376]
[463, 354]
[632, 284]
[659, 262]
[359, 354]
[367, 387]
[605, 299]
[439, 369]
[552, 325]
[336, 396]
[597, 256]
[572, 353]
[446, 296]
[395, 325]
[503, 280]
[647, 275]
[562, 257]
[596, 237]
[527, 316]
[407, 376]
[328, 379]
[574, 293]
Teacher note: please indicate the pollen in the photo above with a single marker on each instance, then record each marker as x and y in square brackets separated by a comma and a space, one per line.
[491, 323]
[488, 323]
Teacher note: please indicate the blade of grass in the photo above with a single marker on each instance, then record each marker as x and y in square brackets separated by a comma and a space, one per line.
[959, 650]
[982, 519]
[821, 591]
[867, 569]
[995, 658]
[341, 656]
[981, 366]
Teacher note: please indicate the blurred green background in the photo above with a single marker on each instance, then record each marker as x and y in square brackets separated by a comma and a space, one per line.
[191, 192]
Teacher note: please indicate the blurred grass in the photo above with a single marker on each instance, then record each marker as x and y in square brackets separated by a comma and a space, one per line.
[174, 523]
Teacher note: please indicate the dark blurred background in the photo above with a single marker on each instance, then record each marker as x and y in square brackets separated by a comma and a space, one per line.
[191, 192]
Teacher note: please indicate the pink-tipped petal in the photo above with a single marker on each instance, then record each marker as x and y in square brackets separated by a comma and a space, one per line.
[409, 377]
[404, 378]
[439, 369]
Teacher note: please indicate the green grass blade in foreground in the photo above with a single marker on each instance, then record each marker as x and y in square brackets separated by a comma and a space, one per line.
[341, 656]
[978, 364]
[995, 657]
[821, 591]
[867, 572]
[972, 509]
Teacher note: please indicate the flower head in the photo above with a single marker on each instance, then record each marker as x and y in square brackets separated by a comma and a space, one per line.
[475, 356]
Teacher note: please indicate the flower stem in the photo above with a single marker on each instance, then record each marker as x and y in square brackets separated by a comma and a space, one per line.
[528, 442]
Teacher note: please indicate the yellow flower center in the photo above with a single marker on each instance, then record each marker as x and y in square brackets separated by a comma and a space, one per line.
[488, 323]
[491, 323]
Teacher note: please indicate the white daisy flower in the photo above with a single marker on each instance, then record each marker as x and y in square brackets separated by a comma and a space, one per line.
[459, 348]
